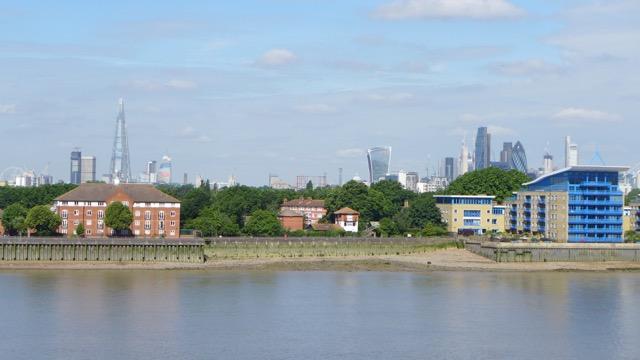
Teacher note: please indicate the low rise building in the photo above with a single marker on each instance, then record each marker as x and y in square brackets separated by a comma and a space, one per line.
[313, 210]
[347, 219]
[291, 220]
[471, 214]
[155, 214]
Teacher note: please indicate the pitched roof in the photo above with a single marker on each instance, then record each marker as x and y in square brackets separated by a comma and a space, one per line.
[290, 213]
[103, 192]
[302, 202]
[346, 211]
[325, 227]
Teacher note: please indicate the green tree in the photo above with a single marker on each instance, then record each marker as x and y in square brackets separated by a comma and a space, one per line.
[422, 211]
[44, 221]
[394, 192]
[632, 196]
[212, 222]
[193, 202]
[434, 230]
[13, 219]
[80, 230]
[118, 217]
[32, 196]
[490, 181]
[263, 223]
[388, 227]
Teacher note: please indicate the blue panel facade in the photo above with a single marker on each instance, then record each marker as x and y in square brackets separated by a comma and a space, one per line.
[595, 204]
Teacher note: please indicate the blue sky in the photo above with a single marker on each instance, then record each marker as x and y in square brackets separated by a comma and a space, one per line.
[304, 87]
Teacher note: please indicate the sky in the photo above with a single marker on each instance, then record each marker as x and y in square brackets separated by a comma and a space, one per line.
[304, 87]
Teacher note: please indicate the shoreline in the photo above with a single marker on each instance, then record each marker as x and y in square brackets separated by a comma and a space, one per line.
[437, 260]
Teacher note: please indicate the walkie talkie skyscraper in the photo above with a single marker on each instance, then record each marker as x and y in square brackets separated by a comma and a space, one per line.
[120, 166]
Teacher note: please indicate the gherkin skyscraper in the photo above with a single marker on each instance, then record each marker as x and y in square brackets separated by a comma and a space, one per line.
[120, 166]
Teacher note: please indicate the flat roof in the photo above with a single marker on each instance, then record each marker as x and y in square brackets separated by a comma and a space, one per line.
[581, 168]
[466, 196]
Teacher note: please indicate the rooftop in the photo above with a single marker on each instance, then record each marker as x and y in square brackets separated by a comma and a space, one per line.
[346, 211]
[466, 196]
[103, 192]
[290, 213]
[302, 202]
[580, 168]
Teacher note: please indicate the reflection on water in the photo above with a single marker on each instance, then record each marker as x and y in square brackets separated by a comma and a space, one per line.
[317, 315]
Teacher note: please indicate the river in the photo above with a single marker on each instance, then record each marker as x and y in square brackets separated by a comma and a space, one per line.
[72, 314]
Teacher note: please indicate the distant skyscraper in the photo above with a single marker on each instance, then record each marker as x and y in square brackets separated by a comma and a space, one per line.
[506, 153]
[449, 166]
[75, 176]
[548, 164]
[571, 157]
[379, 159]
[411, 181]
[164, 171]
[151, 172]
[519, 158]
[463, 161]
[120, 167]
[185, 179]
[88, 169]
[483, 149]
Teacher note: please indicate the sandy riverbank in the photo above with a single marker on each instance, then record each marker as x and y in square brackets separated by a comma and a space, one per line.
[441, 260]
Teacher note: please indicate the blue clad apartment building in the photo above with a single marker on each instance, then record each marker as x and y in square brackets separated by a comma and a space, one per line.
[576, 204]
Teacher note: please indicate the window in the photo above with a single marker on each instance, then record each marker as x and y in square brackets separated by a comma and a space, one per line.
[89, 222]
[76, 212]
[88, 231]
[173, 213]
[64, 214]
[136, 223]
[147, 225]
[147, 215]
[76, 222]
[472, 213]
[494, 221]
[160, 225]
[137, 213]
[100, 214]
[65, 224]
[161, 215]
[89, 212]
[100, 225]
[172, 223]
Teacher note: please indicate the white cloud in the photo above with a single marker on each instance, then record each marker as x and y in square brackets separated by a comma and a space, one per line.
[7, 108]
[181, 84]
[448, 9]
[500, 130]
[191, 134]
[585, 115]
[277, 57]
[173, 84]
[389, 97]
[350, 153]
[315, 109]
[526, 68]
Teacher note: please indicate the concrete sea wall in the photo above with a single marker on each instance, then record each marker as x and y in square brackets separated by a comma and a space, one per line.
[548, 252]
[101, 250]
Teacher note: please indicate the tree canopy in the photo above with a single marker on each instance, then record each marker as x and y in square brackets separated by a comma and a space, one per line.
[212, 222]
[263, 223]
[490, 181]
[118, 216]
[44, 221]
[32, 196]
[13, 219]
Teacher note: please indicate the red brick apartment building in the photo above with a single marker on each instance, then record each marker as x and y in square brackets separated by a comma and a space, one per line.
[313, 210]
[155, 214]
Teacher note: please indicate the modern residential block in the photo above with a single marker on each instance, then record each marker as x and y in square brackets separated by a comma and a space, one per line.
[471, 214]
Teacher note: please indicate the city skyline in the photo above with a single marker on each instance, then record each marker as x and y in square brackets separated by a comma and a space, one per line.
[222, 97]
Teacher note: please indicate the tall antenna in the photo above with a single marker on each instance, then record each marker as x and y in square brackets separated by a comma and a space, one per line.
[120, 165]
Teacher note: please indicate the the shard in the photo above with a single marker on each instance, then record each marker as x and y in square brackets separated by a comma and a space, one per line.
[120, 166]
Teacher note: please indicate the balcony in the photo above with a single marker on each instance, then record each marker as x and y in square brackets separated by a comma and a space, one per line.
[617, 231]
[595, 212]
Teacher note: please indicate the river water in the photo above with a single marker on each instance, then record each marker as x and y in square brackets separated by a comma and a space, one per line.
[318, 315]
